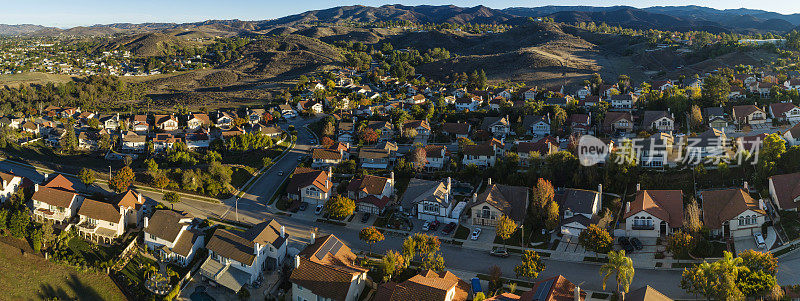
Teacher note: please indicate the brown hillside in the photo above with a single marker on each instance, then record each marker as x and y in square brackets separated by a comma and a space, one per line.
[285, 55]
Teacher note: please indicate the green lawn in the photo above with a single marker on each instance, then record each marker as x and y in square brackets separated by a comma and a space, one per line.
[28, 277]
[92, 254]
[133, 274]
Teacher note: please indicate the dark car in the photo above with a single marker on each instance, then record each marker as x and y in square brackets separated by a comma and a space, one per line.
[636, 243]
[625, 244]
[303, 206]
[365, 218]
[449, 228]
[499, 252]
[434, 225]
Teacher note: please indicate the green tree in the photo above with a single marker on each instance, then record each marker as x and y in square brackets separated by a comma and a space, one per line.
[434, 261]
[715, 90]
[596, 239]
[543, 194]
[18, 223]
[370, 235]
[621, 267]
[552, 217]
[122, 179]
[531, 265]
[172, 197]
[392, 263]
[87, 176]
[505, 228]
[339, 207]
[68, 142]
[679, 244]
[715, 280]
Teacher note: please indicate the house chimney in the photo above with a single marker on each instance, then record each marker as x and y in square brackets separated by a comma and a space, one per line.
[391, 177]
[577, 291]
[330, 172]
[139, 198]
[283, 231]
[36, 187]
[600, 193]
[296, 261]
[488, 182]
[627, 207]
[449, 184]
[146, 221]
[638, 186]
[474, 197]
[256, 246]
[746, 187]
[313, 238]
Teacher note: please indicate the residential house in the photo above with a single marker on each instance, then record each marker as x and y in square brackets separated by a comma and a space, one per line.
[456, 129]
[784, 190]
[421, 126]
[607, 90]
[435, 156]
[661, 85]
[498, 200]
[732, 212]
[327, 270]
[749, 115]
[654, 213]
[543, 147]
[580, 124]
[498, 126]
[376, 158]
[236, 259]
[694, 83]
[764, 89]
[785, 111]
[100, 221]
[133, 142]
[110, 122]
[657, 150]
[326, 157]
[254, 116]
[711, 143]
[715, 117]
[166, 123]
[132, 206]
[662, 121]
[580, 209]
[345, 132]
[618, 122]
[482, 155]
[646, 293]
[582, 92]
[416, 99]
[536, 125]
[310, 185]
[164, 141]
[385, 128]
[139, 123]
[198, 120]
[56, 204]
[623, 101]
[30, 127]
[173, 235]
[9, 184]
[197, 140]
[469, 102]
[287, 111]
[426, 286]
[224, 119]
[530, 93]
[371, 193]
[431, 200]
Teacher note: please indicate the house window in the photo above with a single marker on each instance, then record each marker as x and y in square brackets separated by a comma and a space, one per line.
[430, 207]
[486, 212]
[153, 236]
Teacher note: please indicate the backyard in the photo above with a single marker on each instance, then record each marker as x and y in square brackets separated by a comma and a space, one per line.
[31, 277]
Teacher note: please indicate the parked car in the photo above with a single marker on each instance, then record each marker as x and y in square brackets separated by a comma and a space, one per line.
[426, 226]
[434, 225]
[280, 173]
[318, 210]
[499, 252]
[760, 241]
[449, 228]
[625, 244]
[637, 244]
[303, 206]
[475, 234]
[365, 217]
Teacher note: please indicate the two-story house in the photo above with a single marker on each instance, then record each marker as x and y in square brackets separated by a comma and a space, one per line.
[580, 124]
[784, 190]
[237, 258]
[499, 200]
[100, 221]
[456, 129]
[421, 126]
[173, 235]
[498, 126]
[732, 212]
[624, 102]
[618, 122]
[431, 200]
[482, 155]
[385, 128]
[326, 157]
[310, 185]
[428, 285]
[164, 141]
[542, 147]
[654, 213]
[662, 121]
[749, 115]
[435, 156]
[110, 122]
[372, 193]
[374, 158]
[9, 184]
[198, 120]
[785, 111]
[345, 132]
[536, 125]
[57, 200]
[132, 142]
[139, 123]
[132, 206]
[166, 122]
[470, 103]
[327, 270]
[580, 208]
[715, 117]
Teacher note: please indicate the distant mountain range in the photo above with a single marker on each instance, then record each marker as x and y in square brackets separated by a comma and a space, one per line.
[657, 17]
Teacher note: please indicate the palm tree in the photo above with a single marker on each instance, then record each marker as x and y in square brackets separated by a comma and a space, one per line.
[621, 266]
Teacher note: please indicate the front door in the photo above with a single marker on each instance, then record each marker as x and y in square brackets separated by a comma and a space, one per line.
[663, 230]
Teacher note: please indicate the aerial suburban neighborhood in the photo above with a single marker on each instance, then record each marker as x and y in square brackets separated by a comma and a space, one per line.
[396, 152]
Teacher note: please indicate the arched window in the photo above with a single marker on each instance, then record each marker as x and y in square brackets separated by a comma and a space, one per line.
[741, 221]
[486, 212]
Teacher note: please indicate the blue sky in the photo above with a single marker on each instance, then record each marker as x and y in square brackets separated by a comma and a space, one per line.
[61, 13]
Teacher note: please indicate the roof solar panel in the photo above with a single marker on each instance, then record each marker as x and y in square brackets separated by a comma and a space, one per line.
[335, 248]
[326, 248]
[543, 290]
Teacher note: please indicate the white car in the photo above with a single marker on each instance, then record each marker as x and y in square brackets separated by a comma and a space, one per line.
[426, 226]
[475, 234]
[759, 241]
